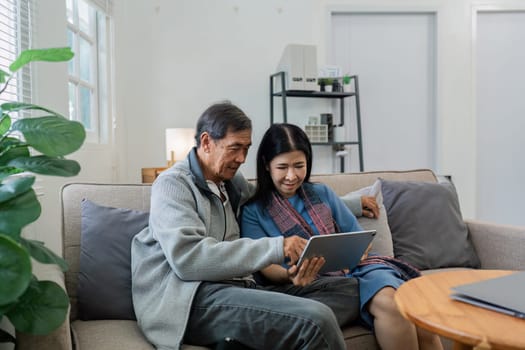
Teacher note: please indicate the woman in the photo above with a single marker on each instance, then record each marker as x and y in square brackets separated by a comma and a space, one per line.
[286, 203]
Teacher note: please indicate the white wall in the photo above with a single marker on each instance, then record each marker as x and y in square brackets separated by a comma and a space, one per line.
[175, 57]
[227, 49]
[49, 90]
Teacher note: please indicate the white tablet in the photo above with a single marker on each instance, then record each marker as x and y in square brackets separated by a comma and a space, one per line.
[340, 250]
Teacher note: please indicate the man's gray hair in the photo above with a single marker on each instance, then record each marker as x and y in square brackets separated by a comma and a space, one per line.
[220, 118]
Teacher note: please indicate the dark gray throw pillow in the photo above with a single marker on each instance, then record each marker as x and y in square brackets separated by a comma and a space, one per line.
[426, 224]
[104, 278]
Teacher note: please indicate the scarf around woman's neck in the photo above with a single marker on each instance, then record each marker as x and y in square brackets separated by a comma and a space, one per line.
[289, 220]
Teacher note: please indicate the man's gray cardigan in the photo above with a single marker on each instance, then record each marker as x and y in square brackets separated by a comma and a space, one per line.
[183, 245]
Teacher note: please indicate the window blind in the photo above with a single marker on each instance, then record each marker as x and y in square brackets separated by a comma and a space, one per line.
[15, 36]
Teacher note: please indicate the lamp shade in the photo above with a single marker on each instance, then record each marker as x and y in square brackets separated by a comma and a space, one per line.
[179, 141]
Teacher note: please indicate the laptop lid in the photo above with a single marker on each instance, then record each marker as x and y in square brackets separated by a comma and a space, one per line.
[502, 294]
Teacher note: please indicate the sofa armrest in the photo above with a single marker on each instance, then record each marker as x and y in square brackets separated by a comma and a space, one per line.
[498, 246]
[60, 338]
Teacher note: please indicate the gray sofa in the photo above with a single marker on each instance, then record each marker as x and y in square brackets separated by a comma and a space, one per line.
[497, 246]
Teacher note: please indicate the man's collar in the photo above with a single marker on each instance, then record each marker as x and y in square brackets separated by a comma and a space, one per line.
[196, 169]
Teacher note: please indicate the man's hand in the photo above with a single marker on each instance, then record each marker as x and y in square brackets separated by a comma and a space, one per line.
[293, 247]
[307, 273]
[370, 206]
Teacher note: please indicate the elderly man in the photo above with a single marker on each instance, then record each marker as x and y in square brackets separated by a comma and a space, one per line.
[192, 274]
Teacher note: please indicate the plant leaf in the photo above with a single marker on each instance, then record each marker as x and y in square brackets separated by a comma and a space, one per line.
[12, 187]
[18, 212]
[5, 123]
[47, 165]
[51, 135]
[43, 254]
[3, 76]
[6, 171]
[41, 309]
[49, 55]
[15, 270]
[21, 106]
[13, 148]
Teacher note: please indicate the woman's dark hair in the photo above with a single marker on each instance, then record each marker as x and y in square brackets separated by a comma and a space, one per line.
[220, 118]
[278, 139]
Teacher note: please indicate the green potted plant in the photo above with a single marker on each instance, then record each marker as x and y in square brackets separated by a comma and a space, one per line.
[347, 79]
[35, 144]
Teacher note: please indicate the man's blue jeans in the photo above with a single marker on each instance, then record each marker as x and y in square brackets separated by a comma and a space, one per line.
[282, 317]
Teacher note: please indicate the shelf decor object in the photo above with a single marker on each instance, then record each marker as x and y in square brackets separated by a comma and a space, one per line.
[300, 63]
[346, 83]
[317, 133]
[278, 90]
[179, 141]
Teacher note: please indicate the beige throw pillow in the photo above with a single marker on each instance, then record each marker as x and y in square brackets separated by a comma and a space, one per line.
[382, 243]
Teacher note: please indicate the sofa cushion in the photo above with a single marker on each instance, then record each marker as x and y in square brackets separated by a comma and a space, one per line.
[109, 334]
[359, 337]
[104, 280]
[382, 243]
[116, 334]
[428, 230]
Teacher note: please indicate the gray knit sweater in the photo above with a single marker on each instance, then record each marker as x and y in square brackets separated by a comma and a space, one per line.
[183, 245]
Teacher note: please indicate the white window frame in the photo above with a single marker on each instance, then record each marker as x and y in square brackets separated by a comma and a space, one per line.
[99, 81]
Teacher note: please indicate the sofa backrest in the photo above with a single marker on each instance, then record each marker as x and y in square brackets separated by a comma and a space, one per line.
[348, 182]
[137, 196]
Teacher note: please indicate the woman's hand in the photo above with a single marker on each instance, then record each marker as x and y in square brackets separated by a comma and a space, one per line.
[370, 206]
[307, 272]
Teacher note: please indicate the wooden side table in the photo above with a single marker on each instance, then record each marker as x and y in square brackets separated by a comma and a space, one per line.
[150, 174]
[426, 302]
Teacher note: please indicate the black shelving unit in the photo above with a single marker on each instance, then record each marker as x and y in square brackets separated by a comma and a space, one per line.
[283, 94]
